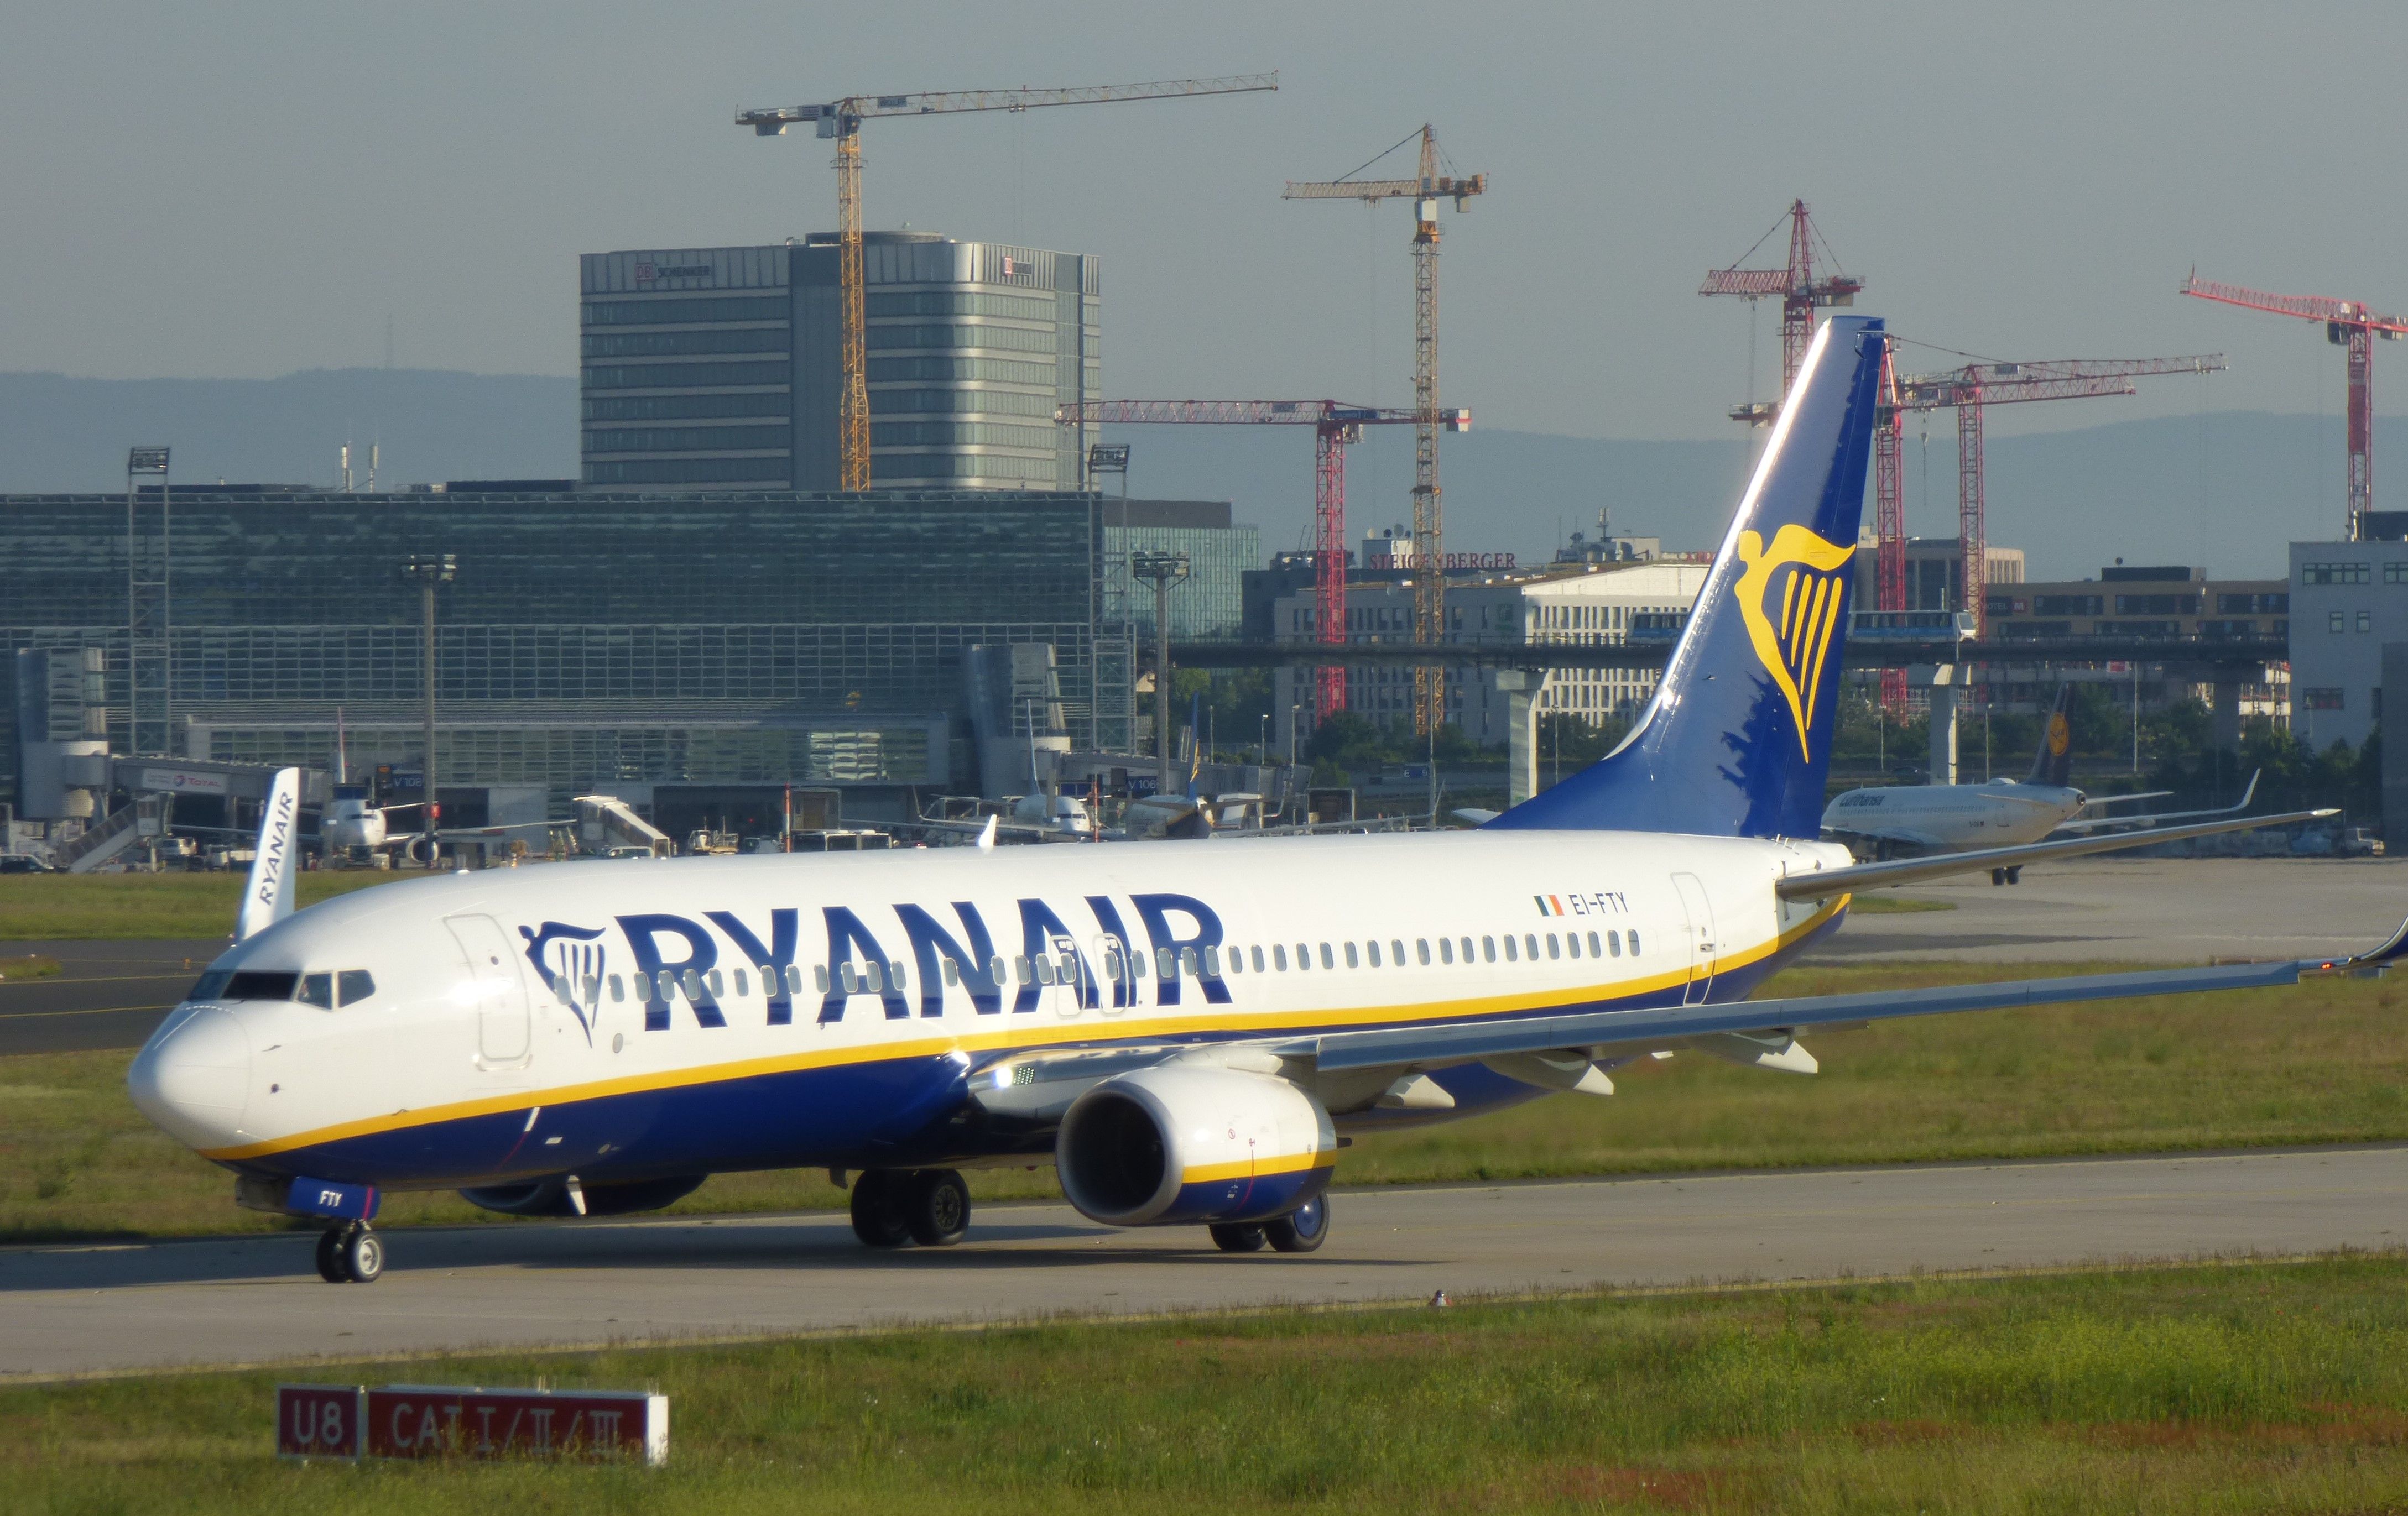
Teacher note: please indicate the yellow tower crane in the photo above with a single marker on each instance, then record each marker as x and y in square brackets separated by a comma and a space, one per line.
[842, 118]
[1429, 558]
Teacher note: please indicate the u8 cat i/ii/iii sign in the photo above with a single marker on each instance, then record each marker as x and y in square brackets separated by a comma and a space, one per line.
[450, 1421]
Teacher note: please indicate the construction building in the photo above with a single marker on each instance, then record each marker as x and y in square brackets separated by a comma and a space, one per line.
[691, 652]
[1599, 602]
[720, 368]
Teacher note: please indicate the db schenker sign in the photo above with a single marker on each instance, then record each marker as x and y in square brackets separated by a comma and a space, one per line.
[451, 1421]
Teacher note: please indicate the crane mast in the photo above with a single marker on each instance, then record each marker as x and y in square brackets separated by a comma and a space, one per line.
[841, 121]
[1426, 191]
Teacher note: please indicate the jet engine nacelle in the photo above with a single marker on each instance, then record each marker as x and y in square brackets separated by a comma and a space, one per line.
[550, 1197]
[1189, 1143]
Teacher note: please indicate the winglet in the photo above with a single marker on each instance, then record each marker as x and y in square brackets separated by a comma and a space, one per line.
[2391, 951]
[986, 836]
[268, 897]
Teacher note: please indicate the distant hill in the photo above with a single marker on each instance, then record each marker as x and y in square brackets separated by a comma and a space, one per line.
[2227, 489]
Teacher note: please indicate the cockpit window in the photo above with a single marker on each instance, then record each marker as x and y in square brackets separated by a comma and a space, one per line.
[325, 991]
[261, 984]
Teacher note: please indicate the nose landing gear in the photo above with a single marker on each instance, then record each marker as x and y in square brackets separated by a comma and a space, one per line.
[349, 1254]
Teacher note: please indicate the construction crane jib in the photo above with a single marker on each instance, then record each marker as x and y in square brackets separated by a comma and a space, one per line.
[1335, 424]
[1425, 189]
[841, 120]
[2351, 326]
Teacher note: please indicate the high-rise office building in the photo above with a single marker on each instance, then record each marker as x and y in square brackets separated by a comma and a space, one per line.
[719, 368]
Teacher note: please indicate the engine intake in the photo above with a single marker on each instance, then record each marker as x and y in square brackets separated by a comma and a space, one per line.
[1167, 1145]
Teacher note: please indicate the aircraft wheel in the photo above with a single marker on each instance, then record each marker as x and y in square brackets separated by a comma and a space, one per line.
[2016, 875]
[938, 1209]
[362, 1256]
[1301, 1230]
[878, 1216]
[1998, 877]
[330, 1256]
[1237, 1237]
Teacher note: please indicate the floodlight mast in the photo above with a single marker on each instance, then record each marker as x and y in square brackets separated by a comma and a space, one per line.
[841, 120]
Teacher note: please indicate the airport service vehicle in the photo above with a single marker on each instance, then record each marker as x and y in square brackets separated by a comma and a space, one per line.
[1188, 1032]
[1913, 820]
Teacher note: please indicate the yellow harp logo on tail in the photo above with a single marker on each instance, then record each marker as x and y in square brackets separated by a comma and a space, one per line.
[1791, 596]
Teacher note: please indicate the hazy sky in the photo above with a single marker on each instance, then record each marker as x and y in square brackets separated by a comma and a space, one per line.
[246, 190]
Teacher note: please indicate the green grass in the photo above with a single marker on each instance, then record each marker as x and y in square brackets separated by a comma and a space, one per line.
[2264, 1387]
[35, 908]
[1894, 905]
[28, 965]
[2321, 1062]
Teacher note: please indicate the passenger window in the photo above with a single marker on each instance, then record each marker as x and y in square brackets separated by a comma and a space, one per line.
[1187, 964]
[1531, 945]
[666, 986]
[1372, 948]
[1212, 962]
[1279, 955]
[952, 973]
[1304, 955]
[1552, 951]
[353, 985]
[1396, 951]
[1593, 947]
[819, 977]
[1353, 959]
[1328, 959]
[692, 984]
[1045, 970]
[1614, 943]
[1634, 942]
[1466, 950]
[1511, 956]
[995, 973]
[317, 990]
[618, 989]
[872, 980]
[1023, 970]
[1571, 940]
[1259, 961]
[794, 978]
[743, 985]
[1421, 951]
[1237, 959]
[895, 977]
[1490, 945]
[1446, 949]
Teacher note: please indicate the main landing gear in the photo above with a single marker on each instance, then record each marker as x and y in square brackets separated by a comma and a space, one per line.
[1301, 1230]
[2007, 876]
[893, 1206]
[349, 1254]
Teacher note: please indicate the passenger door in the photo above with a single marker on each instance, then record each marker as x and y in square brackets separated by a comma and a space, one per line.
[501, 997]
[1700, 912]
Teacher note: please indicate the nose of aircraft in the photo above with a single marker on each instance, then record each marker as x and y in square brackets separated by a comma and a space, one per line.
[193, 1079]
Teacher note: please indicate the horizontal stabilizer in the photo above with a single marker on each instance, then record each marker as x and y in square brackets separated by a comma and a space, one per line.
[1823, 883]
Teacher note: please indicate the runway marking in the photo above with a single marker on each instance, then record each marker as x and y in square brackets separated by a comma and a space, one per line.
[112, 979]
[97, 1010]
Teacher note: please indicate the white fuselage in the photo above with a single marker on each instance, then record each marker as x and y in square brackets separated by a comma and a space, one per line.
[351, 823]
[1954, 818]
[477, 999]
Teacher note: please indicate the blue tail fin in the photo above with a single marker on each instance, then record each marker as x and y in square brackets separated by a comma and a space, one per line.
[1738, 739]
[2053, 762]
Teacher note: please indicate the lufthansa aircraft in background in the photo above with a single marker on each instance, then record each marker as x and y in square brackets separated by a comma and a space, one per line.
[1185, 1032]
[1911, 820]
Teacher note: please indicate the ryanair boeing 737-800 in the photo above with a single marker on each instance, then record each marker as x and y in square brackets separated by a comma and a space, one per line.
[1186, 1030]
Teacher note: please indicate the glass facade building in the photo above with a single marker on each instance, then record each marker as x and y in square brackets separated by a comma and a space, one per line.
[606, 641]
[718, 368]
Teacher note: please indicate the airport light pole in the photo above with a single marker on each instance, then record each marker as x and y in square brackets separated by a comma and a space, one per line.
[1113, 458]
[1164, 569]
[427, 571]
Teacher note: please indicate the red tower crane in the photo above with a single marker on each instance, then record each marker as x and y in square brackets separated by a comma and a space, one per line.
[1800, 292]
[2349, 324]
[1970, 392]
[1334, 426]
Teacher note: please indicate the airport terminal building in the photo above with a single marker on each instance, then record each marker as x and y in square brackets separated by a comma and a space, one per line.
[688, 652]
[719, 368]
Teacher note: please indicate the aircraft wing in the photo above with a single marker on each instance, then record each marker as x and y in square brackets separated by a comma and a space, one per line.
[1823, 883]
[2095, 823]
[1887, 834]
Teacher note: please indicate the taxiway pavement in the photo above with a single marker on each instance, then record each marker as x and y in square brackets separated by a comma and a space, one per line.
[107, 995]
[67, 1310]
